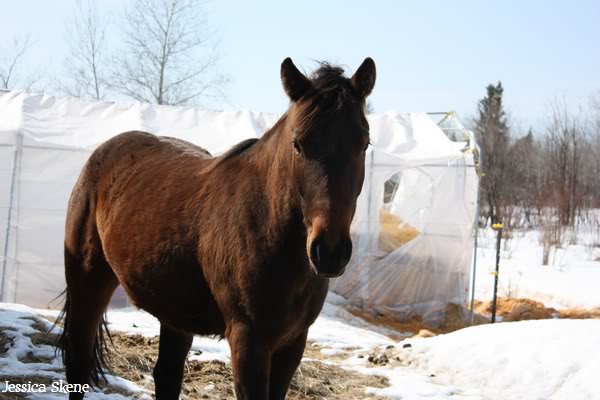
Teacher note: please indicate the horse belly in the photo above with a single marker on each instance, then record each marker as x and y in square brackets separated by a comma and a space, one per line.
[176, 295]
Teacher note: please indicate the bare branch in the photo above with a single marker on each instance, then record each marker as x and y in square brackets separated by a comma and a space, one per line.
[11, 62]
[85, 63]
[170, 57]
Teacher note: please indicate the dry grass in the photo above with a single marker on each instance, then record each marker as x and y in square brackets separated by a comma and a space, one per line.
[134, 359]
[580, 313]
[412, 325]
[453, 320]
[516, 309]
[393, 233]
[510, 309]
[315, 381]
[519, 309]
[37, 324]
[32, 358]
[5, 341]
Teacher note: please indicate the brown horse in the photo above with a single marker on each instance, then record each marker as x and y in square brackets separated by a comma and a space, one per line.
[240, 245]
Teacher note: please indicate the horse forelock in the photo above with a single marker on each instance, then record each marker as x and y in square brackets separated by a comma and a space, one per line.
[332, 91]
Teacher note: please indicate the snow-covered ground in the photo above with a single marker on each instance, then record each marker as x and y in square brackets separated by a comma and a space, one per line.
[572, 278]
[17, 322]
[547, 359]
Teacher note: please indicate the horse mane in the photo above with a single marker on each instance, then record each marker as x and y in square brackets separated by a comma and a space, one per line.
[235, 151]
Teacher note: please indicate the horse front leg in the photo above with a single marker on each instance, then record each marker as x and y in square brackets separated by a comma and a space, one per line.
[284, 363]
[251, 363]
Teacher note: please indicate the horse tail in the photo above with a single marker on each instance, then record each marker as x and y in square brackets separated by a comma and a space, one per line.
[101, 351]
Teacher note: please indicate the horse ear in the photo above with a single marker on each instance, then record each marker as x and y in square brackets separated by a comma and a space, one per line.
[363, 79]
[295, 83]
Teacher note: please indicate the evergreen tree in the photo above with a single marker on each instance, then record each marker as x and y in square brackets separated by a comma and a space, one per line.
[493, 136]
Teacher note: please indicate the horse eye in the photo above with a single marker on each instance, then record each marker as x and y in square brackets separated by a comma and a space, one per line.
[297, 146]
[366, 146]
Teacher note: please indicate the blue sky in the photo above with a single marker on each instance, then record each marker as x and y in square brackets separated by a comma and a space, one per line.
[430, 55]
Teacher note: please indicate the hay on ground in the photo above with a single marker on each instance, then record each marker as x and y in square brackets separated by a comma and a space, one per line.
[134, 358]
[519, 309]
[580, 313]
[516, 309]
[454, 319]
[5, 340]
[32, 358]
[393, 232]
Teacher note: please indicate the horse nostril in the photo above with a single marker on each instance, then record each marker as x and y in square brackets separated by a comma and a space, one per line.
[315, 251]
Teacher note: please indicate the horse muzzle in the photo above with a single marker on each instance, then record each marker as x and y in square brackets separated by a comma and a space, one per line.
[327, 261]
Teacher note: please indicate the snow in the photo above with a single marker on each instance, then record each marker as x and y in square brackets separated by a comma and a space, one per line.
[16, 321]
[547, 359]
[336, 328]
[570, 281]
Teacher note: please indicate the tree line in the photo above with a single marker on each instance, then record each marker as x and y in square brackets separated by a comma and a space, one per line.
[167, 54]
[545, 178]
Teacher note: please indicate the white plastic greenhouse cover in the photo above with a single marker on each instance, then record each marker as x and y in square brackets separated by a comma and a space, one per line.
[45, 141]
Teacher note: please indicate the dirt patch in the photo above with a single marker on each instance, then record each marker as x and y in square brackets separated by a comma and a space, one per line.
[394, 356]
[5, 341]
[454, 319]
[315, 381]
[520, 309]
[516, 309]
[313, 351]
[32, 358]
[44, 338]
[37, 324]
[134, 358]
[580, 313]
[510, 309]
[411, 325]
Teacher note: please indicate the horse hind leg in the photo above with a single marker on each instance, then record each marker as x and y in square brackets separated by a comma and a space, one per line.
[90, 285]
[174, 346]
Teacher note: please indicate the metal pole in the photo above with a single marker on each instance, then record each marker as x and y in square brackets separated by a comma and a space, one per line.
[9, 222]
[368, 237]
[474, 267]
[477, 162]
[498, 227]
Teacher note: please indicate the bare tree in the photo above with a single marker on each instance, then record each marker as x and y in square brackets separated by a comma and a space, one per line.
[566, 137]
[591, 157]
[170, 56]
[595, 106]
[11, 60]
[523, 181]
[86, 60]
